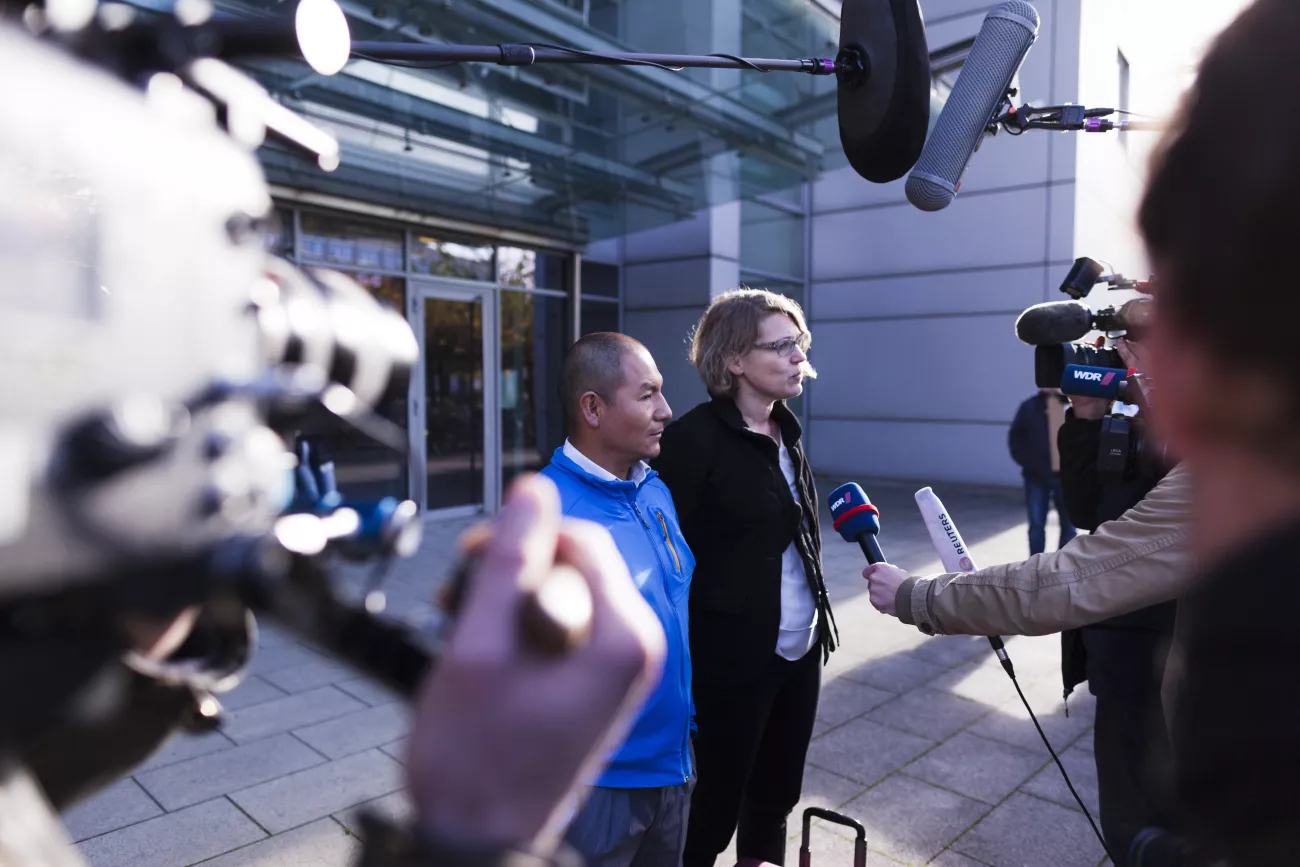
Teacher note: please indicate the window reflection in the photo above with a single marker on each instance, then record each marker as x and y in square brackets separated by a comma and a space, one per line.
[388, 290]
[445, 256]
[599, 279]
[534, 337]
[530, 269]
[771, 240]
[279, 235]
[453, 379]
[365, 469]
[339, 241]
[599, 316]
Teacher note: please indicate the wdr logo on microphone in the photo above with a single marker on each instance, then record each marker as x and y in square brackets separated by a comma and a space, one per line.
[842, 501]
[1094, 376]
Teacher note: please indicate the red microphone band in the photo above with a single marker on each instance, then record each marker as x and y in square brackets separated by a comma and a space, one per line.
[867, 507]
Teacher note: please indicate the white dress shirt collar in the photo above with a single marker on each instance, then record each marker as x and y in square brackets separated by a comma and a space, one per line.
[639, 469]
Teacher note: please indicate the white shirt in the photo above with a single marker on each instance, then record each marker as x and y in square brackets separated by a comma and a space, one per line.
[798, 631]
[639, 469]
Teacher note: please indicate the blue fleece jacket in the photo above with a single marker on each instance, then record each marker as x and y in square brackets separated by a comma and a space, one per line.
[643, 522]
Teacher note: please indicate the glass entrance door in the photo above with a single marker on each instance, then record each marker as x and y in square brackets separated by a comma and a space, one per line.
[455, 463]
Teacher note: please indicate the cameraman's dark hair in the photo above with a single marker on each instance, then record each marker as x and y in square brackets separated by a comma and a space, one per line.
[1221, 213]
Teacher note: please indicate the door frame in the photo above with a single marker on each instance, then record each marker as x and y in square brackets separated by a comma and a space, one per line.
[418, 290]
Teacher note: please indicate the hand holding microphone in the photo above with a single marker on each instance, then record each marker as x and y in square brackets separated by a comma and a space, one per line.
[883, 581]
[857, 520]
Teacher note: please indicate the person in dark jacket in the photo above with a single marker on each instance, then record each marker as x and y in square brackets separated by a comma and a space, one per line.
[1032, 441]
[761, 624]
[1122, 658]
[1219, 219]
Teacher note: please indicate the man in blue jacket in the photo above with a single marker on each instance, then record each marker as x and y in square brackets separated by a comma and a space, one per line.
[613, 400]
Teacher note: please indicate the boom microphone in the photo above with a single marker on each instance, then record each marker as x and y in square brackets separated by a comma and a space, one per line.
[1054, 322]
[883, 88]
[1009, 30]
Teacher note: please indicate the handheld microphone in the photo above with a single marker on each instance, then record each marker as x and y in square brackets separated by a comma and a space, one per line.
[1054, 322]
[856, 520]
[1085, 381]
[952, 551]
[1009, 30]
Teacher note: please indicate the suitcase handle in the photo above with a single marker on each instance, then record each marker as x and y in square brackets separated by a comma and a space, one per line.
[859, 845]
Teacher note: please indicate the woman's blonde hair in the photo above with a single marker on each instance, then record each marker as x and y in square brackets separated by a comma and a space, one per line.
[729, 329]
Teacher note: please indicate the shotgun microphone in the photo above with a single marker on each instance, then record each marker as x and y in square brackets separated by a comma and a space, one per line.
[1054, 322]
[1009, 30]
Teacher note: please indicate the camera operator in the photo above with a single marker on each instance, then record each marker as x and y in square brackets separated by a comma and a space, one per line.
[500, 737]
[1122, 658]
[1219, 219]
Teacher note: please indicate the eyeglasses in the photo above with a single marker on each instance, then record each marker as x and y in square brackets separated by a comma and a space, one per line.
[786, 345]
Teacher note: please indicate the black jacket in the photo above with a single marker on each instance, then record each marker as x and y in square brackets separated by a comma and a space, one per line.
[1123, 655]
[1235, 713]
[1027, 439]
[738, 516]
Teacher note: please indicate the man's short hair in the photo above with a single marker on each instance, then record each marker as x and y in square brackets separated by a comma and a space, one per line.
[594, 363]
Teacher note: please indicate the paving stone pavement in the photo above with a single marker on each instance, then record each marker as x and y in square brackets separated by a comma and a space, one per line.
[922, 740]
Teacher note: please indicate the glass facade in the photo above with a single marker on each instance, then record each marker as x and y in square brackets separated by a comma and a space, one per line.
[454, 423]
[535, 332]
[465, 190]
[494, 321]
[577, 153]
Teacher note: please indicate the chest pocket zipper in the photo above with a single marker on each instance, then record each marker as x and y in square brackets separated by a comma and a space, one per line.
[668, 539]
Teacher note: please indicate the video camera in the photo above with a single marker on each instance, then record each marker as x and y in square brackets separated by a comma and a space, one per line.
[1097, 371]
[1054, 327]
[159, 363]
[1126, 450]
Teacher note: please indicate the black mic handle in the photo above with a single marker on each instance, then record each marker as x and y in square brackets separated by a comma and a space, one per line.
[870, 547]
[1001, 650]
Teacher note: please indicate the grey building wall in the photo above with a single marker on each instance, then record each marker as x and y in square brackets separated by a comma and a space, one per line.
[669, 276]
[670, 273]
[913, 313]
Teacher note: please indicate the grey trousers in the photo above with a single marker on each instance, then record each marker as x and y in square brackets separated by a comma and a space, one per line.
[632, 827]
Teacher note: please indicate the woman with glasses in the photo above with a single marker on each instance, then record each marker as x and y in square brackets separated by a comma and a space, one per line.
[761, 625]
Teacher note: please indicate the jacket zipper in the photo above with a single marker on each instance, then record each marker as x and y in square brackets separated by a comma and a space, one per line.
[687, 734]
[672, 550]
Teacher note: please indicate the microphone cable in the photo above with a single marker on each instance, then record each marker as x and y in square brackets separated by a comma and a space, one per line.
[1000, 649]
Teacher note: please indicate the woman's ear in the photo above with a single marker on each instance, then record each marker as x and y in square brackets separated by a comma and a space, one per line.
[736, 365]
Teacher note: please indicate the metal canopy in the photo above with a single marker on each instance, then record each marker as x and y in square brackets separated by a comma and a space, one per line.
[579, 153]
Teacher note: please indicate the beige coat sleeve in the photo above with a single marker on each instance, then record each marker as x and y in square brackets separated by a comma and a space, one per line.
[1139, 559]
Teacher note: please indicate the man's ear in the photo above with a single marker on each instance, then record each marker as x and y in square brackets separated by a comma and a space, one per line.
[591, 407]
